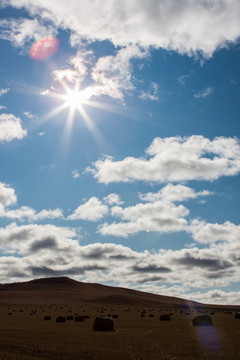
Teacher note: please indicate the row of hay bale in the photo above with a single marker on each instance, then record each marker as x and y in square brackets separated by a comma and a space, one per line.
[107, 324]
[77, 318]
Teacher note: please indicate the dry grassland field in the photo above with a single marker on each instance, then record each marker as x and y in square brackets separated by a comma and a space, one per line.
[25, 335]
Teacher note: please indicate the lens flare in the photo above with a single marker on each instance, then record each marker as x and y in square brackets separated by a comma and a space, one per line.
[44, 48]
[209, 338]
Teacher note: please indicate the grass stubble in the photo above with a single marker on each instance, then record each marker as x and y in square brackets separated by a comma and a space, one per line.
[24, 335]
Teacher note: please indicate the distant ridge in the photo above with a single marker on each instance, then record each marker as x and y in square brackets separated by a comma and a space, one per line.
[63, 290]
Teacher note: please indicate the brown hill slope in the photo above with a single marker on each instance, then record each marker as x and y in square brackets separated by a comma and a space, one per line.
[62, 290]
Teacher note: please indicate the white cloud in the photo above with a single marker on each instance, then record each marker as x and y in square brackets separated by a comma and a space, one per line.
[27, 213]
[204, 93]
[92, 210]
[7, 196]
[22, 31]
[75, 174]
[3, 91]
[11, 128]
[111, 74]
[182, 79]
[45, 92]
[174, 159]
[48, 250]
[29, 115]
[173, 193]
[80, 63]
[2, 107]
[158, 214]
[173, 25]
[217, 296]
[219, 236]
[113, 199]
[152, 94]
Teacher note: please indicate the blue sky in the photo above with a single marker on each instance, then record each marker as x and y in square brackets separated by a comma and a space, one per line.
[119, 143]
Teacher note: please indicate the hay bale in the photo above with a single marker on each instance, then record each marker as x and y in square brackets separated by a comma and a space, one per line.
[237, 315]
[60, 319]
[79, 318]
[47, 317]
[165, 317]
[103, 324]
[151, 315]
[115, 316]
[202, 320]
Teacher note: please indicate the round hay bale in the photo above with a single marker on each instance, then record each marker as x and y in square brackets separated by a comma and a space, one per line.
[237, 315]
[202, 320]
[47, 317]
[165, 317]
[60, 319]
[115, 316]
[103, 324]
[79, 318]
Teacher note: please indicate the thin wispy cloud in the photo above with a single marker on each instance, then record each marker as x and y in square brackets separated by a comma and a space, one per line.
[204, 92]
[75, 174]
[183, 79]
[151, 94]
[4, 91]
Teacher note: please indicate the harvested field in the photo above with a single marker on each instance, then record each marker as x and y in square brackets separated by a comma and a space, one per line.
[26, 337]
[138, 332]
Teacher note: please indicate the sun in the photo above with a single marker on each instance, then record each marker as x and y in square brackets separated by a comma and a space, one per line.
[74, 98]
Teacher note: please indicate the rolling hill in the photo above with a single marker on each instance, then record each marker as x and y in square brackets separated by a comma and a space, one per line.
[63, 290]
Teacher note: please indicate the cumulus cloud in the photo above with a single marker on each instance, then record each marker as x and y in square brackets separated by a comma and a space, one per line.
[217, 296]
[45, 250]
[7, 196]
[91, 210]
[158, 213]
[219, 236]
[113, 199]
[112, 73]
[27, 213]
[173, 193]
[182, 26]
[174, 159]
[11, 128]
